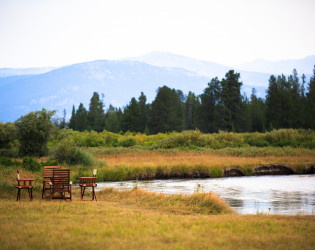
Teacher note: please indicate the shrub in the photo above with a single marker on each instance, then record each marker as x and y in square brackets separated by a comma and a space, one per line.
[67, 152]
[215, 172]
[5, 161]
[129, 142]
[31, 164]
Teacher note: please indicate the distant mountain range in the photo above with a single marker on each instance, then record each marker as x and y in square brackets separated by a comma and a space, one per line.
[25, 90]
[305, 65]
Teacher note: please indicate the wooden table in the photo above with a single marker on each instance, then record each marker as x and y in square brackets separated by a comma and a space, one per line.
[25, 183]
[88, 182]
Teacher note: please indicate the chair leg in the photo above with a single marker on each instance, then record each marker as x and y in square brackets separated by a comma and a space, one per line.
[94, 194]
[83, 192]
[43, 190]
[70, 193]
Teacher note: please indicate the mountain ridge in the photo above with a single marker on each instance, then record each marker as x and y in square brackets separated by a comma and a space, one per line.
[120, 80]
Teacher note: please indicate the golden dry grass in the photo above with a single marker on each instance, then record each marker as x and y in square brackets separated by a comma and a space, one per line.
[150, 159]
[114, 224]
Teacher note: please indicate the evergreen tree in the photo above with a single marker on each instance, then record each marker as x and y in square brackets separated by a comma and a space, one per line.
[232, 100]
[143, 112]
[167, 112]
[310, 118]
[273, 104]
[131, 119]
[72, 123]
[96, 116]
[211, 108]
[81, 118]
[191, 108]
[113, 118]
[63, 121]
[257, 113]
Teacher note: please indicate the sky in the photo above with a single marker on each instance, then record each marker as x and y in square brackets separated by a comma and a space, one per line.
[42, 33]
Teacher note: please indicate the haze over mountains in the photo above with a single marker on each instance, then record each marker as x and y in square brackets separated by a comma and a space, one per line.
[25, 90]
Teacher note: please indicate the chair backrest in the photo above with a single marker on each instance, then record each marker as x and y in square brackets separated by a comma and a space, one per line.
[94, 172]
[60, 179]
[48, 170]
[17, 175]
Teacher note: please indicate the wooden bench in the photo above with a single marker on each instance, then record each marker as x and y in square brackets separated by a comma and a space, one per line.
[60, 183]
[48, 173]
[24, 183]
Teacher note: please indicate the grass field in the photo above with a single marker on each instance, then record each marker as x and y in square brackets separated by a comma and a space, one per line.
[138, 219]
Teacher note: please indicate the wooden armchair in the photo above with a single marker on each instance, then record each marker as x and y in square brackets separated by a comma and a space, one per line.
[60, 183]
[24, 183]
[48, 173]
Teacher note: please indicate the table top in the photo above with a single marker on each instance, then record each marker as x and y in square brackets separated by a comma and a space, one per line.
[83, 178]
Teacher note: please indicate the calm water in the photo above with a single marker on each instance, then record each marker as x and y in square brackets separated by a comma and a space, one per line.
[294, 194]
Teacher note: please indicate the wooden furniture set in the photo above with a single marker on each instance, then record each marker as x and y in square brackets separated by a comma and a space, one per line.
[57, 182]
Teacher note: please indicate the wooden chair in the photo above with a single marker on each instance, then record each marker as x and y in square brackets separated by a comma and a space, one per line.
[24, 183]
[60, 183]
[48, 173]
[88, 182]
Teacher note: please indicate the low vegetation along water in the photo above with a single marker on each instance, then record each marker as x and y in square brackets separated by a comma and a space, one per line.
[293, 194]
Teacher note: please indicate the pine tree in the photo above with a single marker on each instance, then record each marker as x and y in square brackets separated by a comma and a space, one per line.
[113, 118]
[96, 115]
[211, 107]
[232, 99]
[143, 111]
[167, 112]
[310, 118]
[131, 120]
[191, 108]
[72, 123]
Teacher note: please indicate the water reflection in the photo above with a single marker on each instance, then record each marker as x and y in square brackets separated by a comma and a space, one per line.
[293, 194]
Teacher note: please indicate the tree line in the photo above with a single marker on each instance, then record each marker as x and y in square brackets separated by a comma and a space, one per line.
[289, 103]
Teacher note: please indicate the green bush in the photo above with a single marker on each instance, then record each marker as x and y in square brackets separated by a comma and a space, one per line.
[215, 172]
[5, 161]
[67, 152]
[31, 164]
[129, 142]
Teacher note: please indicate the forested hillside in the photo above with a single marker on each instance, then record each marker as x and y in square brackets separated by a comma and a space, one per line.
[289, 103]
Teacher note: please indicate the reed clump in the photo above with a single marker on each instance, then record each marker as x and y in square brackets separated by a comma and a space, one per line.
[203, 203]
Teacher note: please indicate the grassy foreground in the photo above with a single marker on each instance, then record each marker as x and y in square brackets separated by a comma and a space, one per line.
[140, 220]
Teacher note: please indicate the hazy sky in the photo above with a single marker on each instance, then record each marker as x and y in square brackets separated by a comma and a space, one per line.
[37, 33]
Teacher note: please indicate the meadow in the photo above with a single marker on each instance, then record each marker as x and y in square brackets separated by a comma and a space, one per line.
[138, 219]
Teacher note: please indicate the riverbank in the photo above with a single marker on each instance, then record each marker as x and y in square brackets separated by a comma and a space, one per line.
[132, 164]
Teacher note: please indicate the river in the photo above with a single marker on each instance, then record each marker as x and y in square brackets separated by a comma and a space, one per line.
[290, 194]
